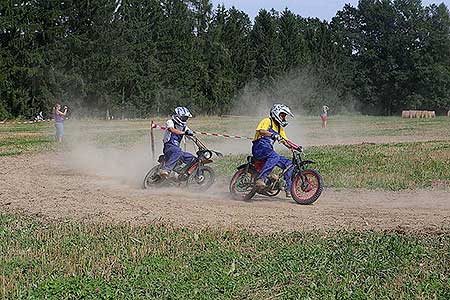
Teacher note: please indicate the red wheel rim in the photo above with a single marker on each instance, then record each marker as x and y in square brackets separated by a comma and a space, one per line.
[305, 194]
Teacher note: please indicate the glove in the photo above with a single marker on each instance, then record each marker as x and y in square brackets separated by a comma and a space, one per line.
[189, 132]
[276, 137]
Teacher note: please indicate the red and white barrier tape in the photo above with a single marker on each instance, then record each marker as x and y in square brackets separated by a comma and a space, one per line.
[228, 136]
[24, 122]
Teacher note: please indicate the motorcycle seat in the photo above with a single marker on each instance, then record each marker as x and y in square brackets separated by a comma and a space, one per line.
[258, 164]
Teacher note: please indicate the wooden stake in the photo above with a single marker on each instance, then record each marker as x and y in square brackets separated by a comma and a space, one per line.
[152, 141]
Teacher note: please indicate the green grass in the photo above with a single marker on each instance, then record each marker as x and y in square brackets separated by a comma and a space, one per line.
[32, 127]
[385, 166]
[16, 139]
[10, 152]
[66, 260]
[16, 146]
[373, 166]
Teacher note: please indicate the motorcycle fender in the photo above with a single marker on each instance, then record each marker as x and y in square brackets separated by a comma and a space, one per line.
[242, 166]
[247, 168]
[206, 161]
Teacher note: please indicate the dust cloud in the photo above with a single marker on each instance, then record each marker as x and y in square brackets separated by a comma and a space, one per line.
[305, 92]
[299, 90]
[126, 164]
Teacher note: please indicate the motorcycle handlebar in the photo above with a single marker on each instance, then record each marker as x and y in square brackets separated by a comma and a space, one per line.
[292, 145]
[202, 146]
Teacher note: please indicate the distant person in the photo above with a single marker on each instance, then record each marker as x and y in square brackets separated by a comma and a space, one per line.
[59, 121]
[324, 115]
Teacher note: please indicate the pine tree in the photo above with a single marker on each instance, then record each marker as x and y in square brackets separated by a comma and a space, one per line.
[265, 47]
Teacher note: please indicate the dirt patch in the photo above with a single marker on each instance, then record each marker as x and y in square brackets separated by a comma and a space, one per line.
[45, 186]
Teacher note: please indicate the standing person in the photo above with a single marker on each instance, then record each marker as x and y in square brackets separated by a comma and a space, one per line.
[176, 128]
[268, 132]
[324, 115]
[59, 121]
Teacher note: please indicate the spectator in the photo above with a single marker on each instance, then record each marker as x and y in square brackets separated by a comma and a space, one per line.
[59, 121]
[324, 115]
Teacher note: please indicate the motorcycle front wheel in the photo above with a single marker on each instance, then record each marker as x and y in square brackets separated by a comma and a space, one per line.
[307, 187]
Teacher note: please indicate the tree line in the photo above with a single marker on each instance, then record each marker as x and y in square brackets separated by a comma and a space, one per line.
[141, 57]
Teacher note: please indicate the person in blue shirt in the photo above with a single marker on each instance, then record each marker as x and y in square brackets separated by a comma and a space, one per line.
[269, 131]
[176, 128]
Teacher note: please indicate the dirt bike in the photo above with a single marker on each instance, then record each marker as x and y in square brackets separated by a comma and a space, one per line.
[307, 184]
[195, 175]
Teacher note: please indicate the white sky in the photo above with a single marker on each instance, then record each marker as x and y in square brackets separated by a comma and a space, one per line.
[323, 9]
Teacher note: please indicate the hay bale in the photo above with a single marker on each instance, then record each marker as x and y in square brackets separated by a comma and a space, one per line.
[420, 114]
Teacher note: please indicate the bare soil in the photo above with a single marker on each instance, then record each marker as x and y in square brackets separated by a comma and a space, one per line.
[41, 185]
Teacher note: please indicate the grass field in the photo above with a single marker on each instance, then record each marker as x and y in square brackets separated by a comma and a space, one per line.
[73, 260]
[304, 130]
[76, 261]
[374, 166]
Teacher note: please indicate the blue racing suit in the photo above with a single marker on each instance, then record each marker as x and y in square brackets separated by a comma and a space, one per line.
[262, 150]
[172, 149]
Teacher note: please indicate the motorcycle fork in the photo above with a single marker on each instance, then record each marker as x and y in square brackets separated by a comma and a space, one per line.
[305, 183]
[194, 169]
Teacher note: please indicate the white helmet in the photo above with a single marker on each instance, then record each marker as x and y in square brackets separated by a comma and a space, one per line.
[277, 109]
[182, 114]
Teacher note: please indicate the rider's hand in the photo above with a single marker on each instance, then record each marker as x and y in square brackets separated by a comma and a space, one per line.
[276, 137]
[189, 132]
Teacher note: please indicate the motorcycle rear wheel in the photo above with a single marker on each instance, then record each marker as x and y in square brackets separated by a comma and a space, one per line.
[242, 185]
[152, 178]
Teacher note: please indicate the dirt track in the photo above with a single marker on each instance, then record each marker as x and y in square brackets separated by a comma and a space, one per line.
[39, 186]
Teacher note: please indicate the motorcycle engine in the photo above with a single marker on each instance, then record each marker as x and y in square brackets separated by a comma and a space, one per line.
[183, 177]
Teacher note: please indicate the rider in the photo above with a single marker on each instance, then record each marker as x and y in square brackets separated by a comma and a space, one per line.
[175, 129]
[268, 131]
